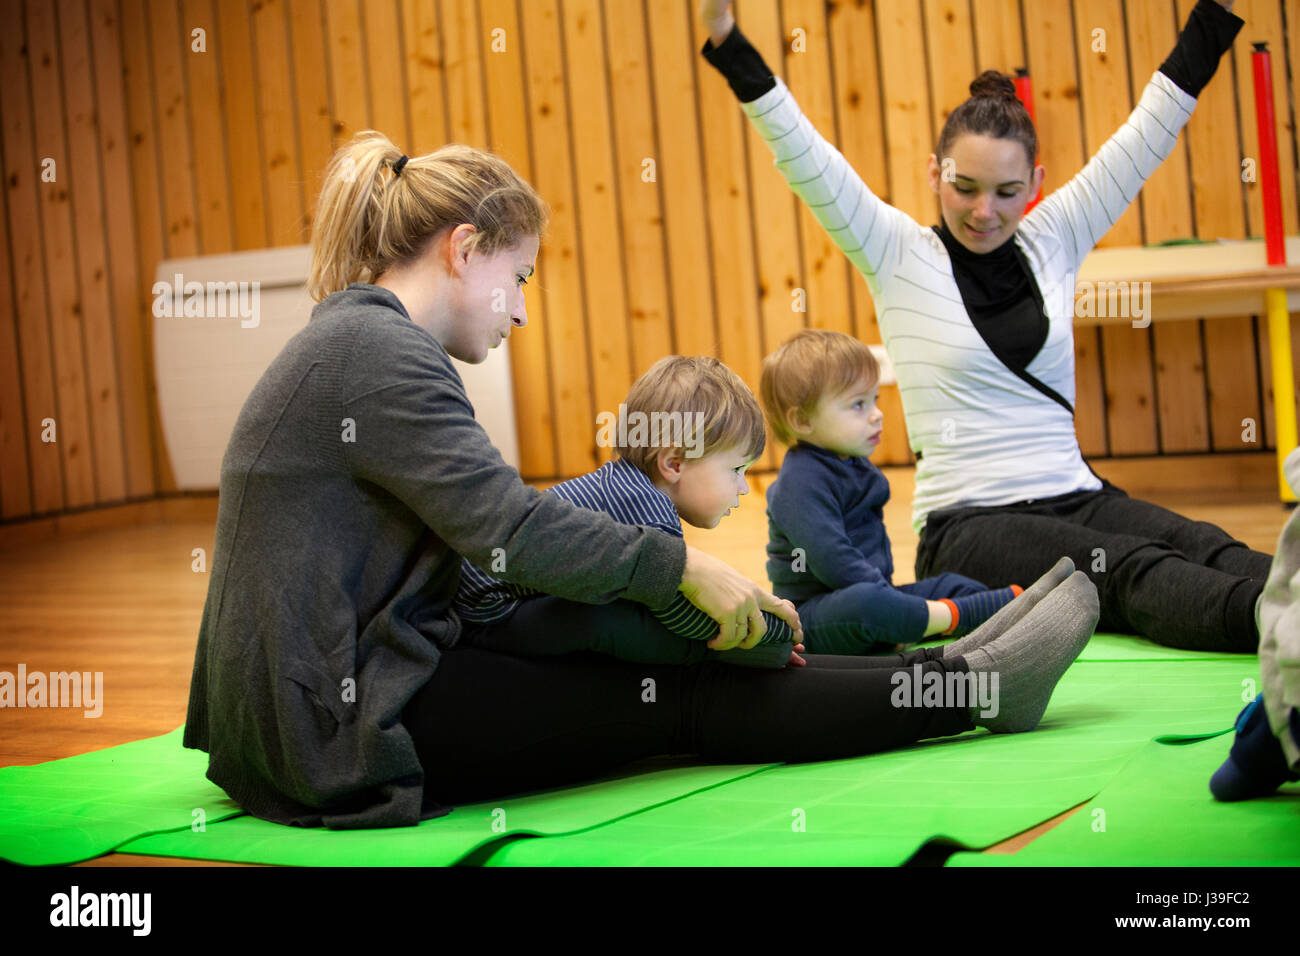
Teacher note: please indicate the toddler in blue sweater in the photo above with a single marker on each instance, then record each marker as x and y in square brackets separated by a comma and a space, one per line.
[828, 551]
[685, 435]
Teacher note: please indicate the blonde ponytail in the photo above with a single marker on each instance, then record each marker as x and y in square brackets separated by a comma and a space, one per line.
[369, 218]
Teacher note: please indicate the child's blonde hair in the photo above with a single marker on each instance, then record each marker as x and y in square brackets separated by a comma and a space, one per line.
[811, 364]
[697, 389]
[370, 217]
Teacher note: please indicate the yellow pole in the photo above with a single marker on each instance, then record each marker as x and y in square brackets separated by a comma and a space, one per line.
[1279, 345]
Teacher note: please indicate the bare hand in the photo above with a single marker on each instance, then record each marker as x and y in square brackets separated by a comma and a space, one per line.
[734, 601]
[718, 18]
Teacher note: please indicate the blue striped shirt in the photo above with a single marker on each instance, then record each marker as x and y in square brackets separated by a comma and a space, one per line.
[626, 494]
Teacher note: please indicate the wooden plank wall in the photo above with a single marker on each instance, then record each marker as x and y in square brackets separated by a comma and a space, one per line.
[186, 127]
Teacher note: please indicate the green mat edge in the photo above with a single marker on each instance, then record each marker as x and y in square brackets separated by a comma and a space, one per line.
[502, 838]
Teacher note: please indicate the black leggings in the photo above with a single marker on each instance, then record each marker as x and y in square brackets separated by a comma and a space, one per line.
[488, 725]
[1179, 582]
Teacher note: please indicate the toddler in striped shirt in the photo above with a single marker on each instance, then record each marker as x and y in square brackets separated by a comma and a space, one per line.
[684, 437]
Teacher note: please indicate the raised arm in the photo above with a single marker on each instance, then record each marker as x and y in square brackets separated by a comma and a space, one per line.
[865, 227]
[1081, 211]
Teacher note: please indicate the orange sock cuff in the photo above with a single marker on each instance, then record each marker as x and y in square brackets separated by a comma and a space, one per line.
[956, 614]
[1017, 590]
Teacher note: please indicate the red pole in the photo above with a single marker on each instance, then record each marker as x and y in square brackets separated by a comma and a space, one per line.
[1025, 93]
[1279, 325]
[1265, 123]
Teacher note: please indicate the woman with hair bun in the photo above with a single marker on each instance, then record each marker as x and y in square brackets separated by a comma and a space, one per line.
[977, 315]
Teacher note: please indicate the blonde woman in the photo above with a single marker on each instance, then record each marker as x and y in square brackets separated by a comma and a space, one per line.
[329, 687]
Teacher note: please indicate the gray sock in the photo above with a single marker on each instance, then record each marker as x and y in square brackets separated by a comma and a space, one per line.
[1030, 658]
[1000, 622]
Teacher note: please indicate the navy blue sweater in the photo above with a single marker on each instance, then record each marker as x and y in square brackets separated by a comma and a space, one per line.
[832, 509]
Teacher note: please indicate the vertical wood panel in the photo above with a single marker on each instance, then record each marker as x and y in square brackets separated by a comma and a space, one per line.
[731, 231]
[641, 214]
[383, 31]
[15, 478]
[243, 137]
[508, 114]
[276, 109]
[123, 267]
[949, 41]
[206, 110]
[775, 207]
[998, 44]
[163, 150]
[857, 104]
[422, 37]
[75, 442]
[172, 115]
[598, 227]
[85, 186]
[1050, 40]
[1216, 180]
[463, 73]
[31, 305]
[147, 206]
[312, 111]
[1126, 351]
[1167, 214]
[825, 268]
[566, 328]
[679, 175]
[908, 137]
[347, 69]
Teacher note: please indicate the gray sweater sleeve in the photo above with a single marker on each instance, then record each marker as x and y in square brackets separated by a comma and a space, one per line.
[415, 436]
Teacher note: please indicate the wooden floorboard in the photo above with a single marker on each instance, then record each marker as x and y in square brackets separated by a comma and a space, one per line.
[126, 602]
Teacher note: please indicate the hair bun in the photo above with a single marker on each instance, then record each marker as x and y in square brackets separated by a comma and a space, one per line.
[994, 84]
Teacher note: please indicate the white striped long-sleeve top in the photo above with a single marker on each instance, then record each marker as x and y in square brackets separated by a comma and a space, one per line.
[982, 435]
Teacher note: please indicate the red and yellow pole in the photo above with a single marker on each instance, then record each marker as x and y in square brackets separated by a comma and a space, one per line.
[1279, 324]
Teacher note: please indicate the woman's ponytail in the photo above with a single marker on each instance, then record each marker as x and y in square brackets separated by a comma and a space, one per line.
[368, 217]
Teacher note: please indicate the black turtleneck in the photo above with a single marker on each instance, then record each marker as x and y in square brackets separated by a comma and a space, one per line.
[1000, 296]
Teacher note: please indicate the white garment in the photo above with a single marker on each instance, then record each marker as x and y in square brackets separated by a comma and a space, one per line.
[984, 437]
[1279, 627]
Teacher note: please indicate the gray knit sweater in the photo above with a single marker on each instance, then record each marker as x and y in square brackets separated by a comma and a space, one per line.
[355, 478]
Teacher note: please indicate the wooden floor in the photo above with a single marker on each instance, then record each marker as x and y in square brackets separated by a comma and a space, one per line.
[126, 602]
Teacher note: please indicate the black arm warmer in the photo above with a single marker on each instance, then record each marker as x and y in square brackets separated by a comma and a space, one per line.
[1208, 35]
[741, 64]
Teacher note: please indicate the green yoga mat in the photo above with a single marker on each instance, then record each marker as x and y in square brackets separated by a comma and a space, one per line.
[446, 840]
[1130, 647]
[974, 790]
[65, 811]
[1159, 812]
[977, 789]
[123, 798]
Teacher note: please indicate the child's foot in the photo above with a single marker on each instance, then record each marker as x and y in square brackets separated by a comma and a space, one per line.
[1256, 765]
[1011, 613]
[1030, 657]
[972, 610]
